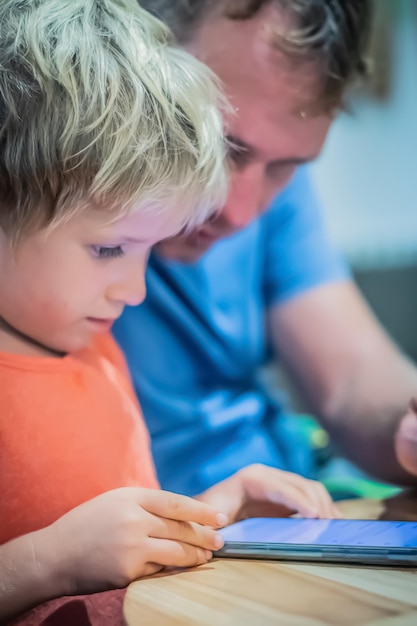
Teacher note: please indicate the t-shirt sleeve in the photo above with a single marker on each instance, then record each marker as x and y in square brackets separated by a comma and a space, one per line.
[299, 254]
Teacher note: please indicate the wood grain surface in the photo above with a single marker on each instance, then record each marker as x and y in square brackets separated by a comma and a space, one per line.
[226, 592]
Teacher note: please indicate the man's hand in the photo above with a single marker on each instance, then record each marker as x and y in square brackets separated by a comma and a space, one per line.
[406, 439]
[261, 491]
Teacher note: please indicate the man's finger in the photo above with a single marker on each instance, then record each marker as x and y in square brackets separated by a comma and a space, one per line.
[406, 442]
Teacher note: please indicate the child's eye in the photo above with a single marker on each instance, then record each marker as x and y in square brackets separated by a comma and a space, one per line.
[102, 252]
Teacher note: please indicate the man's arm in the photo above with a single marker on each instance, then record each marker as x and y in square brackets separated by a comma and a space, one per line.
[357, 381]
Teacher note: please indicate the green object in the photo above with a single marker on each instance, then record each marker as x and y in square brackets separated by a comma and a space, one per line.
[341, 478]
[352, 487]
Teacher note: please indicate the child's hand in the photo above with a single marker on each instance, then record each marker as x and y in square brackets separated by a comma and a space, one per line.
[127, 533]
[261, 491]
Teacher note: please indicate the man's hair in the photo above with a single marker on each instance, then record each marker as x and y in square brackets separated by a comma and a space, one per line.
[331, 33]
[97, 106]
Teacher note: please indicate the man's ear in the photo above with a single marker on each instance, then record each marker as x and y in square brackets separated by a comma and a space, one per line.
[3, 237]
[5, 246]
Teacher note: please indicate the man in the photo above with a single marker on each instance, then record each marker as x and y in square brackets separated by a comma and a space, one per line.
[262, 279]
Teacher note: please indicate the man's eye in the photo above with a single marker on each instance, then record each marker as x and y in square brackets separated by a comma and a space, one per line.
[237, 157]
[102, 252]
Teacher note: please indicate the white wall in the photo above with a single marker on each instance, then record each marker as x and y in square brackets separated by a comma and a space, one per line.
[367, 175]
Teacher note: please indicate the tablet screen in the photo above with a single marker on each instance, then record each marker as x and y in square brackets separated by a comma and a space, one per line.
[323, 532]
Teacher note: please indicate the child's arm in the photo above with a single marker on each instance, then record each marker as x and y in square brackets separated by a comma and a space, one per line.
[22, 583]
[261, 491]
[106, 543]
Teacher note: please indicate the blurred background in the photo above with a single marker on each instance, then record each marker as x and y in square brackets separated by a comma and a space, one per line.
[366, 178]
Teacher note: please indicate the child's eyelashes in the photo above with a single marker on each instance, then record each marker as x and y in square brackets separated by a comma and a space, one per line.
[107, 252]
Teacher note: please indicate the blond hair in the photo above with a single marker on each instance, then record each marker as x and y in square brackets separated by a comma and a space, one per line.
[97, 105]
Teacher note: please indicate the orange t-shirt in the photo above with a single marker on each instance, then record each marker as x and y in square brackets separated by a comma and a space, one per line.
[70, 429]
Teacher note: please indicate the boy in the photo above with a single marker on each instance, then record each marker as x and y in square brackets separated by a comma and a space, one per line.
[110, 140]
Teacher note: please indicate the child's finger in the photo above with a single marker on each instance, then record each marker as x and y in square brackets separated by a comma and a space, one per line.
[293, 498]
[316, 494]
[291, 490]
[186, 532]
[322, 498]
[176, 554]
[177, 507]
[150, 568]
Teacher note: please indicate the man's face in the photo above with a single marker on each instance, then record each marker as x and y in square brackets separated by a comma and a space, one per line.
[269, 127]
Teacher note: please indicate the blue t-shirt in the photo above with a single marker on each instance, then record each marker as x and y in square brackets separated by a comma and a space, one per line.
[195, 346]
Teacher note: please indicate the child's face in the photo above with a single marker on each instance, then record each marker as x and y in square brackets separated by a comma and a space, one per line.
[63, 285]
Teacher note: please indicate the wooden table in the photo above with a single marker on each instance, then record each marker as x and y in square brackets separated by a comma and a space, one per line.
[259, 593]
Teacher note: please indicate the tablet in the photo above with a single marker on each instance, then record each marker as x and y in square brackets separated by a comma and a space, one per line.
[366, 542]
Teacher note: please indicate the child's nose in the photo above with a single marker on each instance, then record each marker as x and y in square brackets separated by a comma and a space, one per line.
[130, 291]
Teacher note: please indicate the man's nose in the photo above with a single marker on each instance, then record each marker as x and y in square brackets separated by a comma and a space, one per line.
[244, 202]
